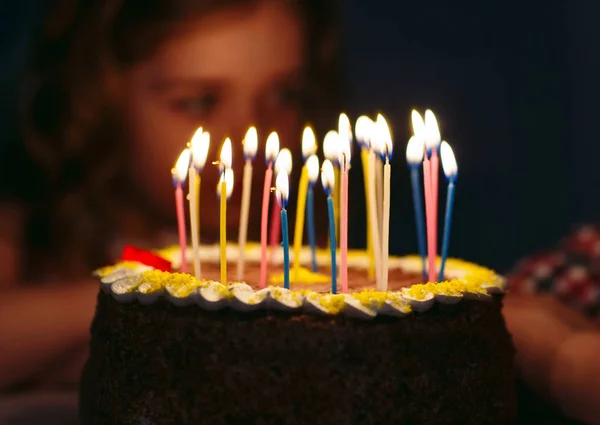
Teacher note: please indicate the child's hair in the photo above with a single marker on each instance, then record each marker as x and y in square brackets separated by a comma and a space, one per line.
[72, 130]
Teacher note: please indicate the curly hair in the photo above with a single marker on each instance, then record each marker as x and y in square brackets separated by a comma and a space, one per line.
[72, 128]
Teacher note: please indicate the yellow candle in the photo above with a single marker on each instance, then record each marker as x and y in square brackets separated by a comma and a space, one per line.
[194, 218]
[199, 145]
[223, 221]
[300, 211]
[226, 189]
[364, 156]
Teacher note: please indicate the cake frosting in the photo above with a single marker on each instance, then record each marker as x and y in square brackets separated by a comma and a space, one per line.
[130, 281]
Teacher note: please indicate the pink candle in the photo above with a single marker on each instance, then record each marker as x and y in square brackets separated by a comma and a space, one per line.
[429, 215]
[181, 227]
[264, 224]
[179, 173]
[344, 161]
[271, 151]
[435, 168]
[283, 162]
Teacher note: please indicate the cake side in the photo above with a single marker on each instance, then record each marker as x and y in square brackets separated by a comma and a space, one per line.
[162, 364]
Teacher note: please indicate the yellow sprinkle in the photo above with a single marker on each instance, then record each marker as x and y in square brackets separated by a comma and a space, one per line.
[105, 271]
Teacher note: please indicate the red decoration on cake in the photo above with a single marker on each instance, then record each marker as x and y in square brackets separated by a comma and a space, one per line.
[148, 258]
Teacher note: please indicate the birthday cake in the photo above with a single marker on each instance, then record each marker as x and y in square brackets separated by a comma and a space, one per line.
[167, 348]
[356, 339]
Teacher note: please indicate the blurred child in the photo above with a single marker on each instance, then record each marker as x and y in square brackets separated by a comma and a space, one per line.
[116, 90]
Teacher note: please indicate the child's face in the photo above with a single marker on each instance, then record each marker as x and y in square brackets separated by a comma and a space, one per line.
[230, 70]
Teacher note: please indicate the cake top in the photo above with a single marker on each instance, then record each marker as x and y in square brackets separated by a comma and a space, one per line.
[130, 281]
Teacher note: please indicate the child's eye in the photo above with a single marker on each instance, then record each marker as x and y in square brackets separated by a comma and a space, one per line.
[286, 95]
[197, 105]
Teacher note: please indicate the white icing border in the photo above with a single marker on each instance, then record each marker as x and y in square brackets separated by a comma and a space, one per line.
[123, 283]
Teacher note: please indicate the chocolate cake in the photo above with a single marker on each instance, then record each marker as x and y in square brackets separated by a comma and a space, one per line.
[169, 349]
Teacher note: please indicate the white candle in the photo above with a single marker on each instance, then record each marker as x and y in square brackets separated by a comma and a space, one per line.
[385, 148]
[250, 148]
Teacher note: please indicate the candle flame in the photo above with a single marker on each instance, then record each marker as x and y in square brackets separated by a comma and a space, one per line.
[328, 177]
[180, 171]
[330, 146]
[418, 124]
[384, 136]
[199, 145]
[344, 127]
[309, 142]
[226, 155]
[272, 147]
[312, 165]
[364, 131]
[432, 131]
[284, 161]
[448, 161]
[282, 189]
[415, 150]
[227, 177]
[250, 144]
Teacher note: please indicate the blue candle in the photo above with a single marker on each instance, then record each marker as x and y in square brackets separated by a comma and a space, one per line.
[310, 223]
[282, 194]
[447, 226]
[332, 245]
[328, 180]
[414, 156]
[419, 216]
[451, 171]
[286, 248]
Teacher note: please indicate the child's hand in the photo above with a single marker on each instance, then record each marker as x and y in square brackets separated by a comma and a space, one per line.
[539, 326]
[544, 330]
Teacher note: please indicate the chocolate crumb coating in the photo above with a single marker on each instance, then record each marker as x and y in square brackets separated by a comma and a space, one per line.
[162, 364]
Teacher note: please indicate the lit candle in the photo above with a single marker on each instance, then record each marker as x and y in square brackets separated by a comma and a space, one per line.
[451, 171]
[271, 150]
[330, 152]
[282, 163]
[379, 182]
[386, 149]
[345, 133]
[250, 148]
[199, 150]
[179, 173]
[373, 216]
[421, 132]
[312, 165]
[309, 147]
[344, 158]
[282, 194]
[328, 180]
[432, 144]
[226, 189]
[414, 158]
[364, 131]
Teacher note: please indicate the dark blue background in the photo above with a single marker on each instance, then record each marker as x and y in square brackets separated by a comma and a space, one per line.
[515, 89]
